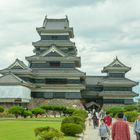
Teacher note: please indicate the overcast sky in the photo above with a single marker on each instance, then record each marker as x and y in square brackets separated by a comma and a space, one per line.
[103, 30]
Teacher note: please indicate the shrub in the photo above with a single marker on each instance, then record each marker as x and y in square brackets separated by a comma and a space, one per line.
[16, 110]
[37, 111]
[138, 107]
[130, 107]
[131, 116]
[27, 113]
[1, 109]
[59, 108]
[68, 111]
[54, 108]
[80, 113]
[46, 107]
[71, 129]
[74, 120]
[47, 133]
[6, 114]
[115, 110]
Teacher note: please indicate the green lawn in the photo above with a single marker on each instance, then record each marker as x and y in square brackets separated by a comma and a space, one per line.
[23, 129]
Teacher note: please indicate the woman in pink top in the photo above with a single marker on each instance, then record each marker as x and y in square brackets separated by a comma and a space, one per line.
[120, 129]
[108, 119]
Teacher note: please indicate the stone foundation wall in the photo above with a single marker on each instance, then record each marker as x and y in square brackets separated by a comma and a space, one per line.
[35, 102]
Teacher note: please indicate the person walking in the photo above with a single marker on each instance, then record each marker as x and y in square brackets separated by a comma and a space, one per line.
[137, 128]
[120, 129]
[89, 118]
[101, 114]
[104, 131]
[108, 119]
[124, 118]
[95, 120]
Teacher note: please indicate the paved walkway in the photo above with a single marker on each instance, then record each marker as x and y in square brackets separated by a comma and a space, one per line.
[92, 134]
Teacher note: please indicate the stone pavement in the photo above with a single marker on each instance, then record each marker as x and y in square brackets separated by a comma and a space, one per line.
[92, 134]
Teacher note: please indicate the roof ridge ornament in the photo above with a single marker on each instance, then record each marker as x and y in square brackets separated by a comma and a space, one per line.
[53, 48]
[45, 21]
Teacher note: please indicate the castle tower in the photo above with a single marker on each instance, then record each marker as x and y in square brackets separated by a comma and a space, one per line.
[54, 65]
[116, 87]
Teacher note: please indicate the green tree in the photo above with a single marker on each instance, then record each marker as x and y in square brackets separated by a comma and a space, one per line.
[1, 109]
[113, 111]
[37, 111]
[130, 108]
[16, 110]
[27, 113]
[54, 108]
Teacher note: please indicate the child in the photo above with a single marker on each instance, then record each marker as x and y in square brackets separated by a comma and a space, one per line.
[104, 131]
[89, 118]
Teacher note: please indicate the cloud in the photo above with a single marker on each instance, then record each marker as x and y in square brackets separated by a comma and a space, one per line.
[103, 29]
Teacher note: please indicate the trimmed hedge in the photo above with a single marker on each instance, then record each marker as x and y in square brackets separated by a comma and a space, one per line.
[74, 120]
[16, 110]
[131, 116]
[71, 129]
[115, 110]
[74, 124]
[80, 113]
[58, 108]
[68, 111]
[37, 111]
[130, 108]
[53, 107]
[1, 109]
[138, 107]
[27, 113]
[47, 133]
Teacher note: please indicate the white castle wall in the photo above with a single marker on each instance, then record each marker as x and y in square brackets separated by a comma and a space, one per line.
[14, 92]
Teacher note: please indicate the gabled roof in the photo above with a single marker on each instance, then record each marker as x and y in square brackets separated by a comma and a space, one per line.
[10, 78]
[53, 49]
[18, 64]
[116, 65]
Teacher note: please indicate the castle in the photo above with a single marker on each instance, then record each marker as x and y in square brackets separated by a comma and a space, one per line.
[53, 73]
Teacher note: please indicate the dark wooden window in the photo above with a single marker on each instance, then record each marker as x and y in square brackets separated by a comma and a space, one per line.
[54, 37]
[116, 74]
[56, 81]
[55, 64]
[117, 88]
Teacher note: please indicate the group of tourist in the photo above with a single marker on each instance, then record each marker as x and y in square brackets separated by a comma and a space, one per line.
[118, 130]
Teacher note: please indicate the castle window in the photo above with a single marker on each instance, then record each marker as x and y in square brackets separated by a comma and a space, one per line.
[54, 64]
[116, 74]
[54, 37]
[56, 81]
[117, 88]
